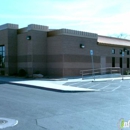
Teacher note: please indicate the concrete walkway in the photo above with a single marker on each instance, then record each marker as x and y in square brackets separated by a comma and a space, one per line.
[44, 84]
[56, 84]
[53, 86]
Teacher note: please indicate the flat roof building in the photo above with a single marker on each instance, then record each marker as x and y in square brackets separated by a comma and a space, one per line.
[59, 53]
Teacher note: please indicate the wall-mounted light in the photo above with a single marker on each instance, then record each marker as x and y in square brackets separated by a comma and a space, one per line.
[28, 37]
[82, 46]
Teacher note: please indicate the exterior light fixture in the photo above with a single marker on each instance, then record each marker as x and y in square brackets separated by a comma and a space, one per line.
[28, 37]
[82, 46]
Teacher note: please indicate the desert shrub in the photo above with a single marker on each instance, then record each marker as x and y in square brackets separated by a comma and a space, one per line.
[2, 72]
[37, 72]
[22, 73]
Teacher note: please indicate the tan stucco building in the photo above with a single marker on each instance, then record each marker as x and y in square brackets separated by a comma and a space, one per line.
[60, 52]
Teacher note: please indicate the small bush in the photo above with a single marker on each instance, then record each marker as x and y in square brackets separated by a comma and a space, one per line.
[37, 72]
[2, 72]
[22, 73]
[128, 72]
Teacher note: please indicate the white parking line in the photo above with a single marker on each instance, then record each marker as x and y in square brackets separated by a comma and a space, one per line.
[116, 88]
[105, 86]
[72, 83]
[93, 86]
[84, 84]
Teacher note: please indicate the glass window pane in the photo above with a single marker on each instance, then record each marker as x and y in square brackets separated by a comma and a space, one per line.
[120, 51]
[113, 51]
[2, 56]
[3, 59]
[1, 48]
[128, 52]
[127, 62]
[113, 61]
[3, 53]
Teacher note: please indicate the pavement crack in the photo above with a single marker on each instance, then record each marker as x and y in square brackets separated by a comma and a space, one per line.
[40, 126]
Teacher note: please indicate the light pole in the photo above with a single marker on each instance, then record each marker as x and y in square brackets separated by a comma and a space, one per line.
[91, 53]
[123, 54]
[122, 63]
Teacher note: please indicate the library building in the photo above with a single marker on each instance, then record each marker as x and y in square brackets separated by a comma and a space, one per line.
[58, 52]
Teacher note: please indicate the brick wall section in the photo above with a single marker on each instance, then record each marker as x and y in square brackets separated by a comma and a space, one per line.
[4, 41]
[12, 51]
[32, 53]
[75, 58]
[55, 56]
[70, 58]
[8, 37]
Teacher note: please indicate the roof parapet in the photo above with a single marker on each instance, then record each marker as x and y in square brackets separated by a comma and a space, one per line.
[33, 27]
[37, 27]
[8, 26]
[72, 33]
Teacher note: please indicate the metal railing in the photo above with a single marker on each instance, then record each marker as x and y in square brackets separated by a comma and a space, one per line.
[107, 70]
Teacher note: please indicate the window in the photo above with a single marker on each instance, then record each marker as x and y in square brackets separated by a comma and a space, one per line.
[2, 56]
[113, 61]
[120, 62]
[128, 52]
[113, 51]
[120, 52]
[127, 62]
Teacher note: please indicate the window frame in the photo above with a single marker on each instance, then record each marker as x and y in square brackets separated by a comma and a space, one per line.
[2, 54]
[113, 51]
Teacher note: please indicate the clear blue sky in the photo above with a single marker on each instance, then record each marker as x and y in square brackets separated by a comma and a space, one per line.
[105, 17]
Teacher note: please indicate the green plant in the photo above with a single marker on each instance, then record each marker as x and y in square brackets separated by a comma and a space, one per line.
[128, 72]
[37, 72]
[22, 73]
[2, 72]
[3, 65]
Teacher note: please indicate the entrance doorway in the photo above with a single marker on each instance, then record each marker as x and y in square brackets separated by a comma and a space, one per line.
[113, 61]
[103, 64]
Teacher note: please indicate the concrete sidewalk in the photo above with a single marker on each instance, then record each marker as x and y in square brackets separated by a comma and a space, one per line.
[44, 84]
[52, 86]
[57, 84]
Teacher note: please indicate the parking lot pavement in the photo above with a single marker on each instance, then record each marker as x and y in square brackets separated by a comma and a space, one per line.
[37, 109]
[106, 86]
[73, 85]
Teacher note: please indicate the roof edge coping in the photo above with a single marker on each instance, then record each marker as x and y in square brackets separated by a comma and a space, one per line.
[9, 26]
[72, 33]
[37, 27]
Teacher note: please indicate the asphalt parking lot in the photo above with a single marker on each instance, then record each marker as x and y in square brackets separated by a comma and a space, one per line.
[106, 86]
[39, 109]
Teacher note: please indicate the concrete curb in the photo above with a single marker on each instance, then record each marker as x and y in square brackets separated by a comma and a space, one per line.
[55, 90]
[51, 89]
[53, 86]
